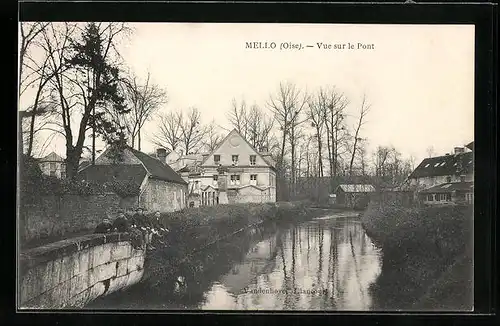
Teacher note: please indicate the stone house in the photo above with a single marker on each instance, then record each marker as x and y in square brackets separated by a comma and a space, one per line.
[433, 171]
[53, 165]
[235, 172]
[160, 187]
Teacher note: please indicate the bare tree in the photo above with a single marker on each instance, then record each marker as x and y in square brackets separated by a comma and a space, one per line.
[212, 138]
[143, 99]
[317, 107]
[430, 151]
[333, 106]
[169, 133]
[238, 116]
[365, 107]
[192, 132]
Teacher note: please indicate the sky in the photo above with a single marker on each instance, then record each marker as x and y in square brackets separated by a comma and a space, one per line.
[419, 79]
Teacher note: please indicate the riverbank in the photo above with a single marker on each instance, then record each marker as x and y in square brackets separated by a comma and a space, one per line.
[427, 256]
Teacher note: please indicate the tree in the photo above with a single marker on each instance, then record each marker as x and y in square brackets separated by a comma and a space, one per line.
[143, 99]
[365, 107]
[287, 105]
[192, 132]
[317, 107]
[212, 138]
[86, 82]
[430, 151]
[238, 116]
[169, 130]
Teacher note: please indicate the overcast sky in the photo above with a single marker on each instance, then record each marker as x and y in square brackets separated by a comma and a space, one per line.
[419, 79]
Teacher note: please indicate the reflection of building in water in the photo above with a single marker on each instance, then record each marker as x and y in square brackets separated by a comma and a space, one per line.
[254, 263]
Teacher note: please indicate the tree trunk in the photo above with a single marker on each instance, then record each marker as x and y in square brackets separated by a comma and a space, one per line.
[139, 140]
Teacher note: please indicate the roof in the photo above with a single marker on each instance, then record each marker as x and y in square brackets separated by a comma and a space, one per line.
[52, 157]
[234, 131]
[156, 168]
[453, 164]
[470, 145]
[449, 187]
[353, 188]
[109, 172]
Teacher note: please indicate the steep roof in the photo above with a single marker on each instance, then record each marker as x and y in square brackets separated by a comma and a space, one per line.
[353, 188]
[156, 168]
[52, 157]
[453, 164]
[449, 187]
[234, 131]
[109, 172]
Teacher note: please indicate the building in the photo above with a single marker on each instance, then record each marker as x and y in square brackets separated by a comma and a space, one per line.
[160, 187]
[433, 171]
[354, 195]
[235, 172]
[448, 193]
[53, 165]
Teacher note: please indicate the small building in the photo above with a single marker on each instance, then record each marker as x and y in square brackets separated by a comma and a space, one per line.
[160, 187]
[53, 165]
[354, 195]
[448, 193]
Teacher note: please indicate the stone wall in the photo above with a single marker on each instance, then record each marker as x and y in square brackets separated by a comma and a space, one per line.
[163, 196]
[73, 272]
[57, 215]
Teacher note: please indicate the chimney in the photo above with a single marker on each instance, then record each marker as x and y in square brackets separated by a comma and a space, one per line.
[161, 154]
[459, 150]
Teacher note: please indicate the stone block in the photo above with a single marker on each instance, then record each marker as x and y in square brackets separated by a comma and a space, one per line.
[135, 263]
[121, 267]
[84, 261]
[79, 300]
[119, 252]
[101, 273]
[78, 284]
[68, 267]
[96, 291]
[134, 277]
[116, 284]
[101, 255]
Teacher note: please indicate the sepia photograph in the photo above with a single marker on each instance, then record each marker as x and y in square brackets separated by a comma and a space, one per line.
[245, 166]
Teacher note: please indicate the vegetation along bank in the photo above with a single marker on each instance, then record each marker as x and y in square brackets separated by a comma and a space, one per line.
[427, 256]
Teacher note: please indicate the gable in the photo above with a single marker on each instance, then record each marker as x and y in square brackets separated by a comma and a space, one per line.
[234, 144]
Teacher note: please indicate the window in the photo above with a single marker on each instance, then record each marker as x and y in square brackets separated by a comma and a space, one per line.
[448, 179]
[63, 174]
[197, 184]
[216, 177]
[235, 179]
[430, 197]
[253, 159]
[216, 159]
[235, 159]
[52, 166]
[52, 173]
[448, 197]
[253, 179]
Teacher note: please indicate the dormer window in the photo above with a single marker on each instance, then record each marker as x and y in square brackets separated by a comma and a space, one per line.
[216, 159]
[235, 159]
[253, 159]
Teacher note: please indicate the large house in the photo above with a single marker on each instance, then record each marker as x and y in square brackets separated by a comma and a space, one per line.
[456, 167]
[53, 165]
[234, 172]
[445, 179]
[160, 187]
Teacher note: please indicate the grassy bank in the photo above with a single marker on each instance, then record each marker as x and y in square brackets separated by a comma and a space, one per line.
[427, 255]
[194, 229]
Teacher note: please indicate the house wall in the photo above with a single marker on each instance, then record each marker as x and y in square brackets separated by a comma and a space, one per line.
[163, 196]
[59, 169]
[235, 147]
[455, 197]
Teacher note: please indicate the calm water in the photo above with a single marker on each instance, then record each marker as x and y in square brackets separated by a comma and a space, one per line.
[324, 264]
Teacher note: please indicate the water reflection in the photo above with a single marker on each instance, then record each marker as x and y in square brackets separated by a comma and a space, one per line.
[327, 264]
[323, 264]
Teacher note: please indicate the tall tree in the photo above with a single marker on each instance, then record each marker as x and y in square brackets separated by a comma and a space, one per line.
[87, 84]
[238, 116]
[212, 138]
[365, 107]
[192, 132]
[169, 134]
[143, 99]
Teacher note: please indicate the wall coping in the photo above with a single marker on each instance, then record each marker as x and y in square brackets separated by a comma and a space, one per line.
[52, 251]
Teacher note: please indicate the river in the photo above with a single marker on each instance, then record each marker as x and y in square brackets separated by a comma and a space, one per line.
[327, 263]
